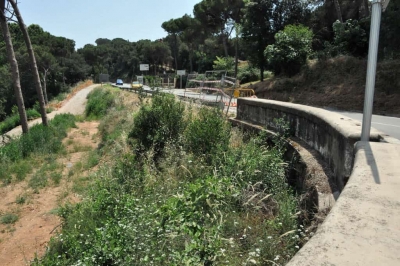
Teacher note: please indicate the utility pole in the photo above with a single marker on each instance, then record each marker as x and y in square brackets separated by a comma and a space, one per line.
[377, 6]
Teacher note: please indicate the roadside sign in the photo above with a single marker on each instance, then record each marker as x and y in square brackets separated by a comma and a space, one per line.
[140, 79]
[103, 78]
[144, 67]
[181, 72]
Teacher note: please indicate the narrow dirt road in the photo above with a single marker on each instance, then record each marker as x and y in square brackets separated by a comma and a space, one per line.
[75, 106]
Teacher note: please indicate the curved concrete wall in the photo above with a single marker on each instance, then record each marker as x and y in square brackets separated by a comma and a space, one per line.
[363, 227]
[331, 134]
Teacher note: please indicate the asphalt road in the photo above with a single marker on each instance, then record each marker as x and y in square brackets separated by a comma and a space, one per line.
[386, 124]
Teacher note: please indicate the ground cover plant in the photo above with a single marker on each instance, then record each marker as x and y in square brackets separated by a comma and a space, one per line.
[191, 191]
[99, 101]
[13, 120]
[18, 155]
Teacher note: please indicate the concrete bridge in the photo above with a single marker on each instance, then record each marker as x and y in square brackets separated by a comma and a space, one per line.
[363, 226]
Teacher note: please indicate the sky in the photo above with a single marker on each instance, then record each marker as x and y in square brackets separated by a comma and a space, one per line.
[84, 21]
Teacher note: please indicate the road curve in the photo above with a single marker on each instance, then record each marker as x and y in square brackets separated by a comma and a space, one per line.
[75, 105]
[386, 124]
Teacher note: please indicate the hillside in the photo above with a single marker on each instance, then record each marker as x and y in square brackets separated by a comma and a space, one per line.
[337, 83]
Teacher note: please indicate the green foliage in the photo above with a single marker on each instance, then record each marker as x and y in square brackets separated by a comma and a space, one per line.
[9, 123]
[224, 63]
[39, 140]
[9, 218]
[208, 133]
[186, 208]
[20, 199]
[350, 38]
[56, 59]
[32, 114]
[158, 123]
[21, 169]
[93, 159]
[38, 180]
[99, 101]
[248, 73]
[13, 121]
[263, 19]
[389, 42]
[291, 49]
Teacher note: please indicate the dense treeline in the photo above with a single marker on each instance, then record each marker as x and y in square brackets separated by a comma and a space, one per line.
[220, 31]
[58, 63]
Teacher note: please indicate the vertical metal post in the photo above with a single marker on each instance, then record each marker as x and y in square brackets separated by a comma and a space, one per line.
[371, 70]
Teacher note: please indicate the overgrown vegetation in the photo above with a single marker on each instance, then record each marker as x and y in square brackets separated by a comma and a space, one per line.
[99, 101]
[13, 121]
[17, 155]
[211, 195]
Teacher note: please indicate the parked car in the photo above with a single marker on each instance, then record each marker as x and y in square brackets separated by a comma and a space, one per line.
[119, 82]
[136, 85]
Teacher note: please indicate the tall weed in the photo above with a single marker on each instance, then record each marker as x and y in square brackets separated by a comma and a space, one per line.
[99, 101]
[39, 140]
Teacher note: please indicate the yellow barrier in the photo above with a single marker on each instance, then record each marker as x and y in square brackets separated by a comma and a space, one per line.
[241, 92]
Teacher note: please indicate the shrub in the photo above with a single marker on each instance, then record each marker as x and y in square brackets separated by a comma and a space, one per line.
[99, 101]
[158, 123]
[224, 63]
[32, 114]
[290, 51]
[350, 38]
[9, 218]
[208, 134]
[248, 74]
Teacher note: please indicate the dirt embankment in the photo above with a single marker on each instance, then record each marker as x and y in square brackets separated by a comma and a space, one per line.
[337, 83]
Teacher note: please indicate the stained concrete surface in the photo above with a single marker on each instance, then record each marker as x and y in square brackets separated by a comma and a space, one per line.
[363, 228]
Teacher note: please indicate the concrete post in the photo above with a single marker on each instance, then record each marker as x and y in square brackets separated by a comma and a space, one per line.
[371, 70]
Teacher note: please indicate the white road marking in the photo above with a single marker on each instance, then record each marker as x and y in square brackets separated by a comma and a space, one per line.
[385, 124]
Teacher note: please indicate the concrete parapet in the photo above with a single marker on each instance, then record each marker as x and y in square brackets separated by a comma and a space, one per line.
[332, 135]
[363, 228]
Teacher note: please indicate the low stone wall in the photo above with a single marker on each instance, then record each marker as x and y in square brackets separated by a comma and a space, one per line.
[332, 135]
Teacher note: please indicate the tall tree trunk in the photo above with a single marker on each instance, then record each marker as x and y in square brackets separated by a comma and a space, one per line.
[191, 59]
[176, 51]
[338, 10]
[45, 85]
[14, 68]
[32, 61]
[224, 37]
[236, 54]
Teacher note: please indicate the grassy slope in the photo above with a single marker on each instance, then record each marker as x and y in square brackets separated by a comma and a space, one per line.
[337, 83]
